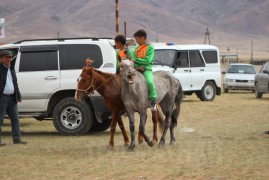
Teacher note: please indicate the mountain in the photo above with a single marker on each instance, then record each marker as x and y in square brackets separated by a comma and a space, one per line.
[231, 23]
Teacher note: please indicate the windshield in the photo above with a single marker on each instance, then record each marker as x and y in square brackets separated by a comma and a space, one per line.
[241, 69]
[164, 57]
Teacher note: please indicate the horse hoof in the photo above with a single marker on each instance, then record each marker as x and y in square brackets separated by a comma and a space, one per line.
[172, 143]
[109, 148]
[131, 147]
[161, 145]
[155, 141]
[140, 140]
[126, 144]
[150, 144]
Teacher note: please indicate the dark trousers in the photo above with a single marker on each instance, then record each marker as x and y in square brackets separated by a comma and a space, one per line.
[8, 105]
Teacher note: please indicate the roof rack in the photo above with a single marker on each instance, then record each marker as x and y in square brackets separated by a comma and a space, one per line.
[62, 39]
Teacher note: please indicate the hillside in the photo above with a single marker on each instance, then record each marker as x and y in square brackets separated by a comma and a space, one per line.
[232, 23]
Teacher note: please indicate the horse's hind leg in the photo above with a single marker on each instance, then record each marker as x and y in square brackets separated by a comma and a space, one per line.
[172, 135]
[175, 116]
[166, 126]
[143, 116]
[154, 121]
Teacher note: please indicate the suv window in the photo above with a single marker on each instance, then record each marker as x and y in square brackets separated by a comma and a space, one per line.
[38, 59]
[210, 56]
[182, 59]
[164, 57]
[196, 59]
[74, 56]
[264, 67]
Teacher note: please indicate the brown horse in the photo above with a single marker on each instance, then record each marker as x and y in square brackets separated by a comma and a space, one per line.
[109, 86]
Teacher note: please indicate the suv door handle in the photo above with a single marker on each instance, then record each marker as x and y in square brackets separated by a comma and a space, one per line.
[202, 70]
[186, 70]
[50, 78]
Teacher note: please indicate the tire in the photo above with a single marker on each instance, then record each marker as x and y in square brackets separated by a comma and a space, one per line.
[225, 90]
[71, 117]
[100, 127]
[208, 92]
[258, 95]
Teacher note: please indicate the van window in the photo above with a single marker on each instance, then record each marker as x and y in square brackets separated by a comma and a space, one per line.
[196, 59]
[210, 56]
[182, 59]
[73, 56]
[38, 61]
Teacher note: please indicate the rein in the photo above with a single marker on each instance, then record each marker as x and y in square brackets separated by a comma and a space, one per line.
[93, 86]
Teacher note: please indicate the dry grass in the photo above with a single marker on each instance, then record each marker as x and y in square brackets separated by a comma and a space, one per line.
[228, 143]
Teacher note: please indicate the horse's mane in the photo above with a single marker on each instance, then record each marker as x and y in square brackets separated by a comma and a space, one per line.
[104, 74]
[115, 79]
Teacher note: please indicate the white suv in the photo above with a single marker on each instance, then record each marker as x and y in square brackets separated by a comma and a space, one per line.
[47, 72]
[196, 66]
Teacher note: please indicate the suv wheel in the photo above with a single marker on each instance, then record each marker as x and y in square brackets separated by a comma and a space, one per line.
[208, 92]
[71, 117]
[258, 95]
[100, 127]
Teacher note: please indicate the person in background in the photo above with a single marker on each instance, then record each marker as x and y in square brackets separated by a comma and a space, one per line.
[143, 57]
[123, 52]
[9, 96]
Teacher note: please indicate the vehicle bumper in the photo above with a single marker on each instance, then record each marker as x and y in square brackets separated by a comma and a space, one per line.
[236, 85]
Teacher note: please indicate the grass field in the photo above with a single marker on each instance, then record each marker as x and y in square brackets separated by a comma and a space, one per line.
[223, 139]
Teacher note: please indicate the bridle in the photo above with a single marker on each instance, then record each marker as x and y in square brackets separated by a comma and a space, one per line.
[92, 85]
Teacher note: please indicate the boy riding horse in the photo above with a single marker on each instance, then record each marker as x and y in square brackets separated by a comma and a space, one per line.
[143, 57]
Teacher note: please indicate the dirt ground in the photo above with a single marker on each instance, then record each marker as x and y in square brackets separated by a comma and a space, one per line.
[223, 139]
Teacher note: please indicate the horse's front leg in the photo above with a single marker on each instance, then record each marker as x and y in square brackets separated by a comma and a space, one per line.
[143, 116]
[132, 130]
[141, 135]
[112, 131]
[123, 131]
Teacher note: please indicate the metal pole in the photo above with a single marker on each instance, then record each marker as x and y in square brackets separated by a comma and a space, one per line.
[228, 55]
[125, 29]
[117, 17]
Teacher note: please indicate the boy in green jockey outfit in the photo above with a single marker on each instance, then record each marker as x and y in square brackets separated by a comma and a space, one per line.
[123, 52]
[143, 57]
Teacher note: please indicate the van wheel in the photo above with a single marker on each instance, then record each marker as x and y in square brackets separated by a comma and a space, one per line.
[71, 117]
[208, 92]
[225, 90]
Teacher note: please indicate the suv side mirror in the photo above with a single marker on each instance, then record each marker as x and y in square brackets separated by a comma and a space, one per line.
[265, 71]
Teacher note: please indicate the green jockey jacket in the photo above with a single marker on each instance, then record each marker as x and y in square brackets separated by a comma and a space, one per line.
[143, 56]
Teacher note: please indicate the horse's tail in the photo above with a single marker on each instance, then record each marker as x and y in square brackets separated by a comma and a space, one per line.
[177, 102]
[161, 118]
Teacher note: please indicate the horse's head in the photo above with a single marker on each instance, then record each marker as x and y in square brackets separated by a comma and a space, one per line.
[127, 71]
[85, 84]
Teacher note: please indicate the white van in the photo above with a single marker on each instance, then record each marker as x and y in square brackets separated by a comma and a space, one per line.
[196, 66]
